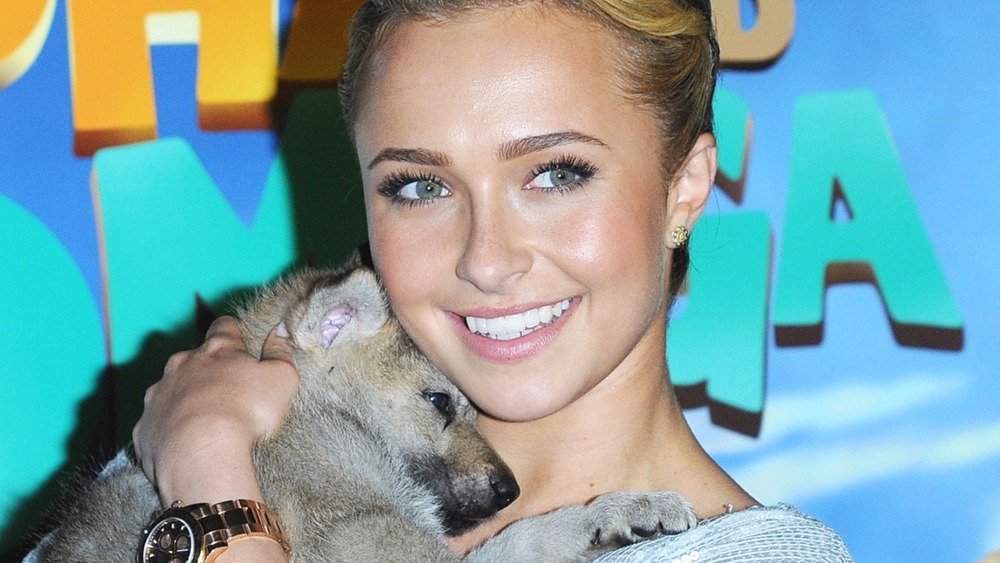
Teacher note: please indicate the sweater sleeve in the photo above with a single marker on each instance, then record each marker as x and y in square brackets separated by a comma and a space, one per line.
[772, 534]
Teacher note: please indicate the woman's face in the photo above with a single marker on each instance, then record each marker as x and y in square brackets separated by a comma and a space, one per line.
[516, 208]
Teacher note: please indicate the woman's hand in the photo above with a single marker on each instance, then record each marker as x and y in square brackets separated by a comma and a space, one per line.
[200, 421]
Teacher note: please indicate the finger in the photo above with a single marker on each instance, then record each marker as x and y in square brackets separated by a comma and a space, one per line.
[145, 461]
[277, 346]
[224, 327]
[224, 335]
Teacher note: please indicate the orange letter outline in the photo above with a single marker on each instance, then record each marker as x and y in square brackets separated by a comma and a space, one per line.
[27, 24]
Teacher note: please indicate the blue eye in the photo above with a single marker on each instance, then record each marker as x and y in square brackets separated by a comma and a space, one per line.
[441, 402]
[561, 175]
[423, 189]
[412, 189]
[555, 178]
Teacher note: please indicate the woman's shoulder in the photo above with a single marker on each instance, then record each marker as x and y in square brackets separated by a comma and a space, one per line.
[766, 533]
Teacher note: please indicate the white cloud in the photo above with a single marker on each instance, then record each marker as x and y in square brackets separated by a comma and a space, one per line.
[826, 410]
[796, 475]
[852, 433]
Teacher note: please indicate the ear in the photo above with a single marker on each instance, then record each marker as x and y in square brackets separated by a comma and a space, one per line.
[333, 321]
[689, 193]
[342, 307]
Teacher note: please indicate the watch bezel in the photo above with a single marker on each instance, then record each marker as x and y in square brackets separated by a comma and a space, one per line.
[194, 531]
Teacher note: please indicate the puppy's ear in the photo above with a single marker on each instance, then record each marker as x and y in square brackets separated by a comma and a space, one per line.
[341, 308]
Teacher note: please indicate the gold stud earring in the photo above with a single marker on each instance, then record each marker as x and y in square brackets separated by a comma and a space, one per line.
[681, 235]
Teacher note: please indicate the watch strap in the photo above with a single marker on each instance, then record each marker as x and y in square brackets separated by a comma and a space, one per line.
[232, 520]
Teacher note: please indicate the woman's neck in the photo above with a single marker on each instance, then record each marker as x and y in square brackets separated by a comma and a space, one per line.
[626, 433]
[562, 468]
[600, 442]
[604, 441]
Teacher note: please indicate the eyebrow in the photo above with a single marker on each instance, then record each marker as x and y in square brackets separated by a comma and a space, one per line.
[508, 151]
[414, 156]
[535, 143]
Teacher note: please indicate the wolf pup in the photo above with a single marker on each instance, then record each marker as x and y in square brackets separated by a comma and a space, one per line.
[378, 459]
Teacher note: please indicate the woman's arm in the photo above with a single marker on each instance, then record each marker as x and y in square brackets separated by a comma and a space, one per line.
[200, 421]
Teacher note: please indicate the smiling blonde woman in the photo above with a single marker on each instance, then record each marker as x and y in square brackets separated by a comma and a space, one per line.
[531, 171]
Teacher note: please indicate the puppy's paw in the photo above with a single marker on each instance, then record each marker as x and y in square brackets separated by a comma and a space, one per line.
[626, 517]
[584, 532]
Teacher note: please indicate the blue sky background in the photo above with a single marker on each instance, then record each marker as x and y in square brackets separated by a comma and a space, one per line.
[897, 448]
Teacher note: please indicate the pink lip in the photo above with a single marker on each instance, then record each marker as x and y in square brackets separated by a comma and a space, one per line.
[510, 350]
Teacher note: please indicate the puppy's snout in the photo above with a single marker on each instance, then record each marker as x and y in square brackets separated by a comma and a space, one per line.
[505, 489]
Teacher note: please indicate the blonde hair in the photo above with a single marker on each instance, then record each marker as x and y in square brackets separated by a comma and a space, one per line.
[668, 58]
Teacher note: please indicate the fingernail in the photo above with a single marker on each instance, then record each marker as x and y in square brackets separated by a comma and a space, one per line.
[281, 330]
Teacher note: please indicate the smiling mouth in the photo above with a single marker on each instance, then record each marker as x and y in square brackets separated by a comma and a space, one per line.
[515, 326]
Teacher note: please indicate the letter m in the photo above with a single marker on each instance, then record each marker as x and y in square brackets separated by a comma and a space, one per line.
[168, 235]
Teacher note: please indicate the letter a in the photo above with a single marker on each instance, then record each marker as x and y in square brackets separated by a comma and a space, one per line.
[843, 155]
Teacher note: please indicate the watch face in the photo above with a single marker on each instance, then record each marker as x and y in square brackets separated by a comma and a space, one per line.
[174, 537]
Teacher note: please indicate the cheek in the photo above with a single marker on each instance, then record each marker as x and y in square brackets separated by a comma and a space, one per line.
[614, 239]
[393, 258]
[410, 262]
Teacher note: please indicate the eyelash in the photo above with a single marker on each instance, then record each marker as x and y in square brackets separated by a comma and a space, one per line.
[395, 181]
[581, 168]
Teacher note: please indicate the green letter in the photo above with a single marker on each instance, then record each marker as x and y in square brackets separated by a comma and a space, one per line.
[717, 346]
[733, 127]
[169, 235]
[52, 347]
[843, 153]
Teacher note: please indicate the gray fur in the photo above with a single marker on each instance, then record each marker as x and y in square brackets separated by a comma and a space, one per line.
[365, 467]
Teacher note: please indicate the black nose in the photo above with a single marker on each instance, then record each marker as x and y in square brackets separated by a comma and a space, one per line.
[505, 490]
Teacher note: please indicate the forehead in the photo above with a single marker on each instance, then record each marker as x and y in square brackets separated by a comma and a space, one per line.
[507, 72]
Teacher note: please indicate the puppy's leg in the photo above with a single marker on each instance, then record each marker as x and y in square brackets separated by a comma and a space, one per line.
[375, 536]
[582, 533]
[104, 520]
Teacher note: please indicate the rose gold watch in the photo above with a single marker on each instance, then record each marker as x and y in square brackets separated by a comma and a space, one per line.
[198, 533]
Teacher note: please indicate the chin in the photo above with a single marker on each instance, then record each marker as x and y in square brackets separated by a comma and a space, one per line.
[523, 408]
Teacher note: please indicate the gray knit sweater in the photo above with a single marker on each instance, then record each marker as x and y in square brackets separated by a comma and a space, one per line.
[772, 534]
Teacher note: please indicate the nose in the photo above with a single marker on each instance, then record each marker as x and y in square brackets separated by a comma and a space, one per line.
[495, 253]
[505, 489]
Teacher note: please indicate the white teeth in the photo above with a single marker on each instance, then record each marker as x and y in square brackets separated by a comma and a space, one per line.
[545, 314]
[531, 318]
[557, 311]
[496, 326]
[514, 323]
[510, 327]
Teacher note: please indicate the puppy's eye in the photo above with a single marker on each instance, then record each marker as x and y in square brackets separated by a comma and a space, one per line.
[441, 401]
